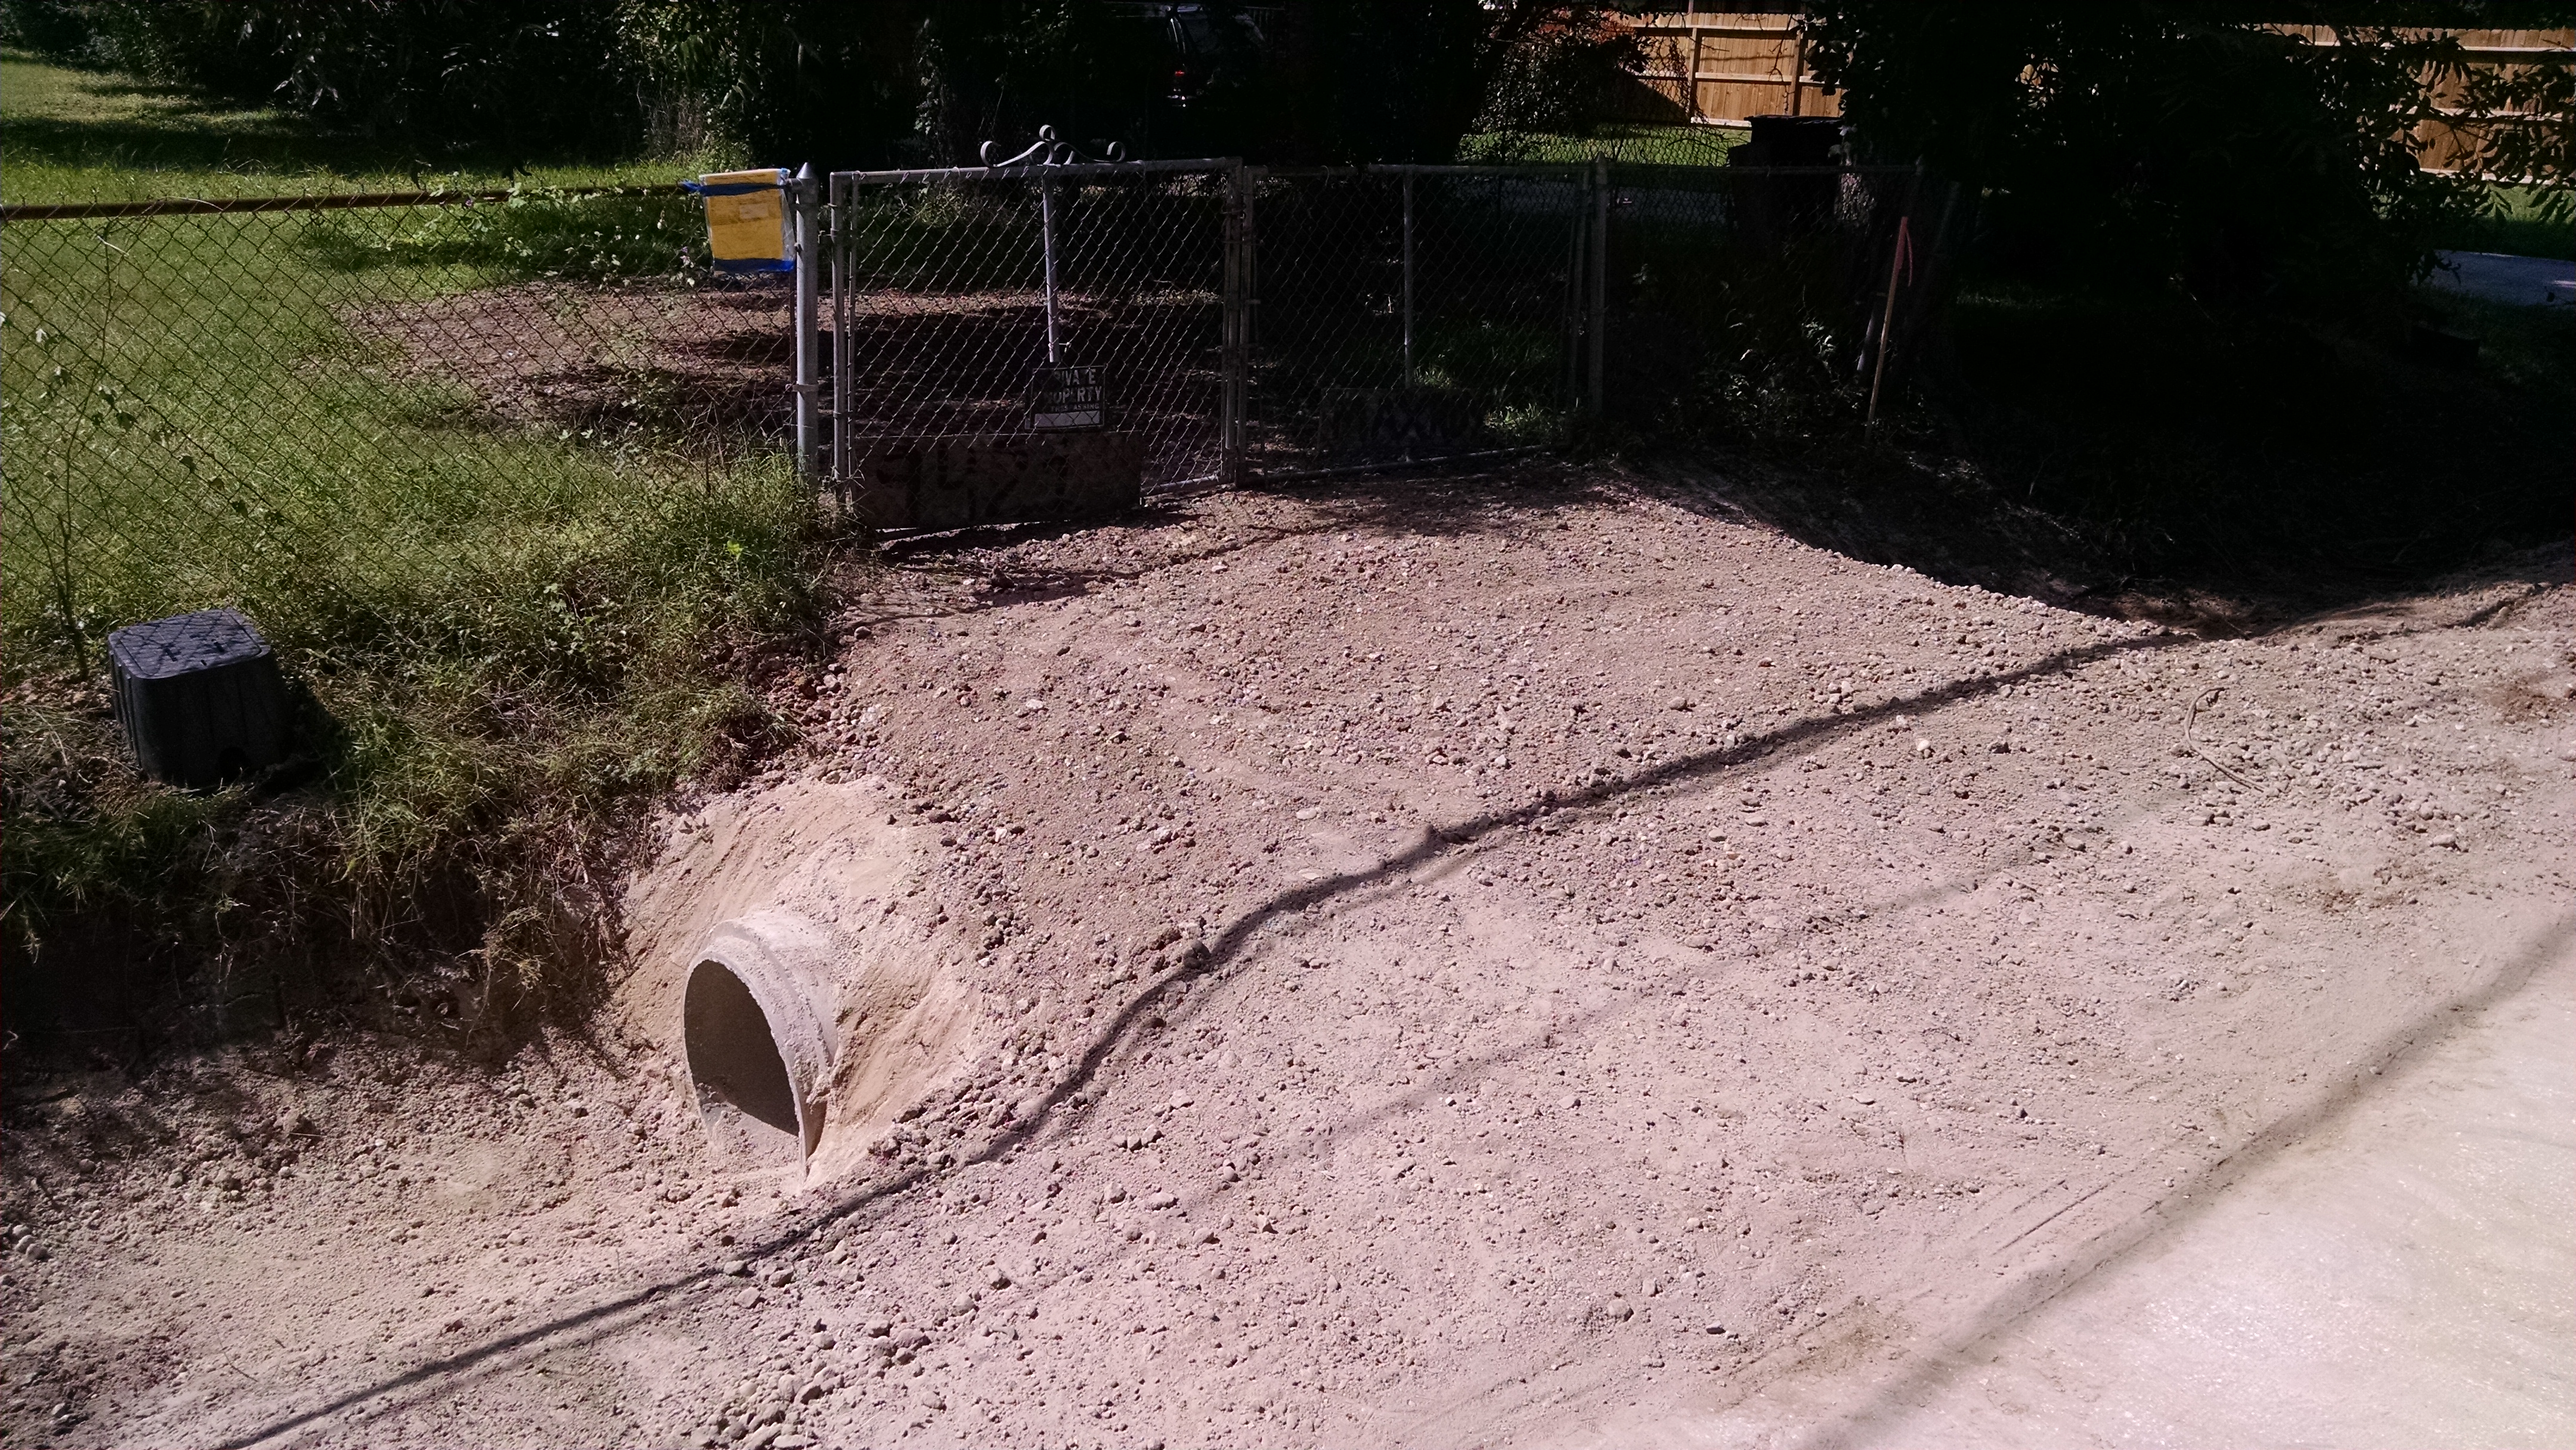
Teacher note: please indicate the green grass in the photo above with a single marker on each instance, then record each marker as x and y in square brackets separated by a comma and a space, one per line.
[71, 135]
[2515, 222]
[516, 628]
[1636, 144]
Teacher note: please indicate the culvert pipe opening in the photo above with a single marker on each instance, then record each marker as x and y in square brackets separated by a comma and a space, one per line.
[756, 1052]
[735, 1062]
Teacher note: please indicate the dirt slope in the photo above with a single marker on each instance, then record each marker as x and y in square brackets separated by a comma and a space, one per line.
[1501, 963]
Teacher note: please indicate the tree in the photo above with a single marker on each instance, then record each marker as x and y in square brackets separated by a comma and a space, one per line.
[787, 81]
[1566, 76]
[2126, 142]
[886, 82]
[1408, 81]
[1295, 82]
[435, 76]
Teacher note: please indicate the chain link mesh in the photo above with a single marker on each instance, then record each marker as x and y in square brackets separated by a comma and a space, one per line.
[346, 413]
[1414, 313]
[329, 414]
[943, 327]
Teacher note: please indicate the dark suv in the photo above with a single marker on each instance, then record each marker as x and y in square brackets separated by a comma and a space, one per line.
[1205, 63]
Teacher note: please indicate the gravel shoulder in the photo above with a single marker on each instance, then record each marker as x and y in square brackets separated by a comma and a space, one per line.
[1522, 960]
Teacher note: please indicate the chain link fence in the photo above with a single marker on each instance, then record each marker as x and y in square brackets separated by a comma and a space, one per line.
[336, 412]
[360, 414]
[1748, 299]
[1417, 312]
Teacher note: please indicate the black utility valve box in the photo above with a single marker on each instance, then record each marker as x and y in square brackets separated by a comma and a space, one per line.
[199, 696]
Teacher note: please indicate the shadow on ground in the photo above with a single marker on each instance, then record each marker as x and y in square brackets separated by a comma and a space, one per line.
[1880, 512]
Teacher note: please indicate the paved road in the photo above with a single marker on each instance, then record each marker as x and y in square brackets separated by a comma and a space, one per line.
[2405, 1278]
[2501, 277]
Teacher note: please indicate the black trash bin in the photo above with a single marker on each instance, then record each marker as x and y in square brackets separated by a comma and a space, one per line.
[200, 697]
[1779, 208]
[1789, 141]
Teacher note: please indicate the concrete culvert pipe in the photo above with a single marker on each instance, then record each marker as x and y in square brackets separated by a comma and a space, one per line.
[753, 1030]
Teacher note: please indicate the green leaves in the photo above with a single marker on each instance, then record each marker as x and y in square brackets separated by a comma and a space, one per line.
[2139, 146]
[2517, 123]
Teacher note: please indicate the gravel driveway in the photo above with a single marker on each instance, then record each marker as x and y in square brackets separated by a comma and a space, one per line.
[1511, 961]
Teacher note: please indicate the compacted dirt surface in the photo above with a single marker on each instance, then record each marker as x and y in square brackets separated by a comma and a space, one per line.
[1522, 960]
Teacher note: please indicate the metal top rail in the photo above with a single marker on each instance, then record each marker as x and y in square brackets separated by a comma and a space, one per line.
[1675, 169]
[217, 206]
[1568, 168]
[1025, 173]
[1414, 168]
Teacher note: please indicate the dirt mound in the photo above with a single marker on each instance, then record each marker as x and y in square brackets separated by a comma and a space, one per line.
[820, 886]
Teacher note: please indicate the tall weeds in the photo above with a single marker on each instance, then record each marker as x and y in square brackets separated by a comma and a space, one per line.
[510, 634]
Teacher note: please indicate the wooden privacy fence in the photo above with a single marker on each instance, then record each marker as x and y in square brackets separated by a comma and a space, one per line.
[2444, 144]
[1723, 67]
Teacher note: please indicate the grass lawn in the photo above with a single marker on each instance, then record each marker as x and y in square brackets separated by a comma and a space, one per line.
[2515, 223]
[1635, 144]
[80, 135]
[514, 627]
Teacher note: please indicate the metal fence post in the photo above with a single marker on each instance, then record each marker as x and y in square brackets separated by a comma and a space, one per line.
[1237, 325]
[1578, 237]
[1408, 277]
[836, 241]
[1598, 321]
[1900, 257]
[803, 204]
[1046, 242]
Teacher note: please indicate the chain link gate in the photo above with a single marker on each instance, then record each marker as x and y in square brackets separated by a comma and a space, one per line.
[1022, 341]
